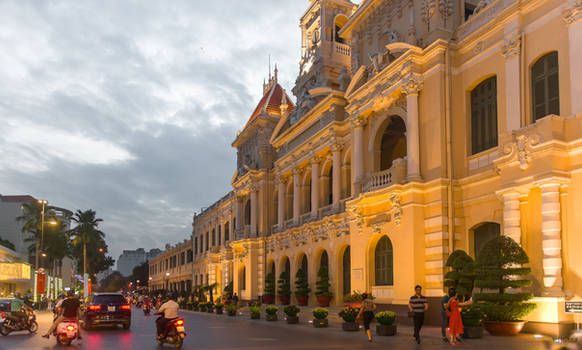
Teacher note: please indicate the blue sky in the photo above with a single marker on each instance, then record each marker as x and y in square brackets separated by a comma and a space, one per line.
[130, 107]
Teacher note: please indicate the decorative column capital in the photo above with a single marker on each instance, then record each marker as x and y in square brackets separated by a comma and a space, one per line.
[336, 146]
[511, 47]
[283, 179]
[573, 12]
[412, 86]
[315, 160]
[358, 121]
[298, 171]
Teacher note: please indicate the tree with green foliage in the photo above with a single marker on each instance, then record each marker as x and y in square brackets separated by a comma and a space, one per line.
[228, 290]
[301, 284]
[113, 283]
[322, 285]
[462, 274]
[284, 286]
[31, 220]
[499, 267]
[270, 285]
[87, 235]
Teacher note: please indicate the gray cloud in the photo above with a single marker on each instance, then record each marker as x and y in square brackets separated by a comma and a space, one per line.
[129, 107]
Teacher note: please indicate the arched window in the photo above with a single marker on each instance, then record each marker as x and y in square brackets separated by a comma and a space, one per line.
[304, 266]
[288, 270]
[545, 86]
[248, 213]
[384, 262]
[324, 260]
[330, 186]
[393, 144]
[243, 278]
[227, 231]
[484, 116]
[213, 237]
[484, 233]
[347, 267]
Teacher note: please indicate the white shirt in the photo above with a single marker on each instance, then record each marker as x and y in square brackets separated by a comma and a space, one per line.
[170, 309]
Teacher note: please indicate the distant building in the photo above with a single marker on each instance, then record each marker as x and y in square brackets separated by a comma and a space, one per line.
[10, 229]
[15, 275]
[132, 258]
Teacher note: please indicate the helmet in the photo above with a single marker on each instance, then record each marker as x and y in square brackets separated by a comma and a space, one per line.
[171, 296]
[70, 293]
[17, 295]
[61, 296]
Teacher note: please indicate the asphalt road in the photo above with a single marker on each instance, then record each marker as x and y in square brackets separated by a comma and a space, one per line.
[208, 331]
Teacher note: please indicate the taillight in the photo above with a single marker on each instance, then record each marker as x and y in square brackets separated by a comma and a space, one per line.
[94, 307]
[125, 307]
[70, 328]
[3, 315]
[179, 323]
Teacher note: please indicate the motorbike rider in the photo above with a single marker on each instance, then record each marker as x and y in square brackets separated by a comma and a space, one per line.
[67, 310]
[168, 311]
[18, 309]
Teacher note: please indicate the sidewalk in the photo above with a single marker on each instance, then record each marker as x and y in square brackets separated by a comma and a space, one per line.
[430, 335]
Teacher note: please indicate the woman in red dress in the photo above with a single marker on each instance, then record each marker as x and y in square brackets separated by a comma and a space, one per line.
[455, 320]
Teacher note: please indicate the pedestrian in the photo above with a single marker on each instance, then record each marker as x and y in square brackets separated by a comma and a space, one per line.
[455, 320]
[417, 306]
[444, 314]
[235, 299]
[367, 313]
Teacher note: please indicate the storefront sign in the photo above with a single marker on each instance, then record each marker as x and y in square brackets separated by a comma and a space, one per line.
[14, 271]
[40, 283]
[574, 307]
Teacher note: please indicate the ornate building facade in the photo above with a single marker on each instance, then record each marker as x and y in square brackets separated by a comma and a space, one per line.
[420, 127]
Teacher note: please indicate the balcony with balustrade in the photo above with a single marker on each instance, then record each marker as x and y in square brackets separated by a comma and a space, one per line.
[396, 174]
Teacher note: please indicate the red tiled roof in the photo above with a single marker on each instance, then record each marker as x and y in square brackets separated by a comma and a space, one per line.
[17, 199]
[271, 102]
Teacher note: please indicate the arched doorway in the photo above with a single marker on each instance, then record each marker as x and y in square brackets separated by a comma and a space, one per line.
[384, 263]
[484, 233]
[324, 260]
[346, 269]
[393, 142]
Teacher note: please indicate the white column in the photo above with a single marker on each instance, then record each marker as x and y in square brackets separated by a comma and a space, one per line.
[281, 203]
[511, 52]
[411, 89]
[573, 19]
[512, 216]
[296, 193]
[358, 124]
[336, 175]
[253, 211]
[315, 185]
[551, 238]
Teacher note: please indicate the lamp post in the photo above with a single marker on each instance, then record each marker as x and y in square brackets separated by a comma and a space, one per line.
[42, 222]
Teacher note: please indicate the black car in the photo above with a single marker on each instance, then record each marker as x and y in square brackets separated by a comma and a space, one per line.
[106, 309]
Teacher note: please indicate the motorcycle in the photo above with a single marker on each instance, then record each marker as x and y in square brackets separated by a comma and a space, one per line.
[66, 332]
[13, 324]
[173, 333]
[146, 309]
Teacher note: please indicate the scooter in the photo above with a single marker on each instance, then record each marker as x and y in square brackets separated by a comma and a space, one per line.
[12, 324]
[66, 332]
[173, 334]
[146, 309]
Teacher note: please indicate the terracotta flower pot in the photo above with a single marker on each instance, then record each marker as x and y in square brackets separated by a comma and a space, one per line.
[301, 300]
[268, 299]
[284, 299]
[503, 328]
[323, 301]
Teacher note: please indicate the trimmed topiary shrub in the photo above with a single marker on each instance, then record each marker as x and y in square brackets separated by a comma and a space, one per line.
[301, 286]
[322, 285]
[270, 285]
[498, 266]
[462, 274]
[284, 287]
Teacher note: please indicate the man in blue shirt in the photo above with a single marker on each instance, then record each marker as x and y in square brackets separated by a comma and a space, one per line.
[444, 317]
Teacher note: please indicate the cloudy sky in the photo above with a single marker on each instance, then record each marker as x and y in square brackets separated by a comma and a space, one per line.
[130, 107]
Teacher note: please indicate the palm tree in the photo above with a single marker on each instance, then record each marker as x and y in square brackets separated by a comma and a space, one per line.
[86, 232]
[32, 224]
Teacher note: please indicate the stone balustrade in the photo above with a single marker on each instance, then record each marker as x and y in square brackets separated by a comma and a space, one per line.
[395, 175]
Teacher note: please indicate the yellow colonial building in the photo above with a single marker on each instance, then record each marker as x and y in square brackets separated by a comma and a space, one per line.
[419, 127]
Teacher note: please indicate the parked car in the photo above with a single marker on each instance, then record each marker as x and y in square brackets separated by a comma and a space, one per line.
[5, 305]
[106, 309]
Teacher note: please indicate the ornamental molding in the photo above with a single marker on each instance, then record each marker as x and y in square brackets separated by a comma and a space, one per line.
[357, 217]
[573, 12]
[412, 86]
[519, 150]
[358, 121]
[395, 201]
[511, 47]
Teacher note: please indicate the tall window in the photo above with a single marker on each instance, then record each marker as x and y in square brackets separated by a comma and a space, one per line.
[484, 233]
[195, 245]
[227, 232]
[347, 268]
[304, 266]
[243, 276]
[248, 213]
[324, 260]
[206, 240]
[384, 262]
[213, 238]
[545, 86]
[484, 116]
[219, 235]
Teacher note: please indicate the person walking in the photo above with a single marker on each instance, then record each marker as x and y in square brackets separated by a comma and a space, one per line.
[367, 313]
[455, 320]
[418, 305]
[444, 314]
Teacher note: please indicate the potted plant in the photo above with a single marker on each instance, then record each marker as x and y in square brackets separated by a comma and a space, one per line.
[292, 311]
[210, 307]
[322, 293]
[472, 319]
[271, 311]
[301, 288]
[231, 310]
[195, 306]
[462, 274]
[386, 326]
[269, 297]
[255, 312]
[284, 289]
[203, 306]
[349, 315]
[228, 290]
[218, 308]
[498, 266]
[320, 317]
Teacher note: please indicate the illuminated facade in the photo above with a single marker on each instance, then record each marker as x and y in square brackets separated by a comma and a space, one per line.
[15, 276]
[420, 127]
